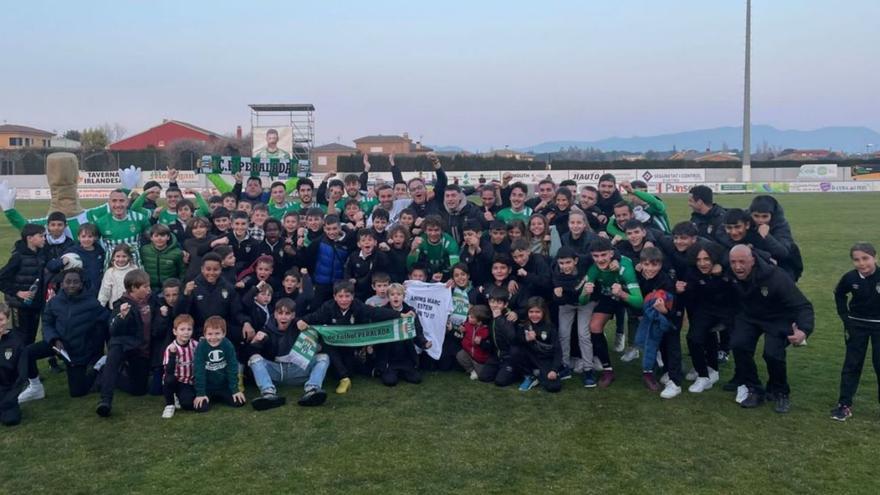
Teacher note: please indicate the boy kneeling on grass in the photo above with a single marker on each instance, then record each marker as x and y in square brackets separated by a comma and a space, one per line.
[216, 368]
[177, 382]
[273, 363]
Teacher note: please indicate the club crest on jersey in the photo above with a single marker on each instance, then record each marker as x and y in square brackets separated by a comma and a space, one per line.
[224, 293]
[855, 286]
[8, 353]
[709, 229]
[247, 249]
[543, 335]
[765, 291]
[877, 287]
[132, 228]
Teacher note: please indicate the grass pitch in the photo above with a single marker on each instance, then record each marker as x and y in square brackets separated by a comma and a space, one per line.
[451, 435]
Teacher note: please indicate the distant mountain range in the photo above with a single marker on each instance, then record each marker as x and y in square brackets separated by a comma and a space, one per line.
[848, 139]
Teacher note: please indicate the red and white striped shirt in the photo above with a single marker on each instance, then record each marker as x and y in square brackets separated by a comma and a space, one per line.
[183, 367]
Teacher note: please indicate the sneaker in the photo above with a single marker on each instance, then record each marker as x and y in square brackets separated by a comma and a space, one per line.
[344, 386]
[619, 342]
[528, 383]
[597, 364]
[103, 409]
[754, 399]
[731, 386]
[701, 384]
[671, 390]
[312, 397]
[34, 391]
[664, 379]
[742, 392]
[269, 400]
[631, 354]
[650, 382]
[713, 376]
[691, 375]
[606, 378]
[100, 363]
[841, 413]
[783, 403]
[589, 379]
[474, 375]
[168, 412]
[723, 357]
[564, 373]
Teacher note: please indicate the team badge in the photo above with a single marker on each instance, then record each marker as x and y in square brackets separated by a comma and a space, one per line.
[132, 228]
[765, 291]
[200, 297]
[709, 229]
[877, 287]
[8, 353]
[224, 293]
[855, 286]
[247, 249]
[352, 319]
[543, 335]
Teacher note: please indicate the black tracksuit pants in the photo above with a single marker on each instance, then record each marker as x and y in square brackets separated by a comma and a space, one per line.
[135, 382]
[526, 361]
[10, 414]
[857, 336]
[702, 342]
[80, 378]
[743, 343]
[26, 321]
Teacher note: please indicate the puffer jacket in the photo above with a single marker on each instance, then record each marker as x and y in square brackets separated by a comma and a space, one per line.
[80, 322]
[113, 284]
[25, 266]
[162, 264]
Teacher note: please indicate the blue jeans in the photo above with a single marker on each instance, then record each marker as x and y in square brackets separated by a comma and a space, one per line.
[268, 373]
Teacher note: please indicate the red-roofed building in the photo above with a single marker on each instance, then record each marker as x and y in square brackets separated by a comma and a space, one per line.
[164, 134]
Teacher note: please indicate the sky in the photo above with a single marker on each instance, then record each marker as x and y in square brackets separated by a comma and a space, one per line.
[477, 74]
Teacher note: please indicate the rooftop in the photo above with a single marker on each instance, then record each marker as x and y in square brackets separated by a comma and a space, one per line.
[282, 107]
[23, 129]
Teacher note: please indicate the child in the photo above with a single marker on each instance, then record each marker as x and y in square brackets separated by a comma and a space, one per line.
[244, 247]
[516, 229]
[73, 322]
[498, 237]
[161, 259]
[408, 220]
[659, 324]
[380, 219]
[256, 229]
[21, 281]
[215, 368]
[436, 248]
[381, 281]
[272, 364]
[540, 349]
[707, 293]
[199, 243]
[227, 263]
[113, 283]
[57, 241]
[209, 295]
[327, 255]
[256, 302]
[177, 365]
[538, 234]
[13, 370]
[161, 329]
[398, 250]
[296, 285]
[518, 209]
[530, 271]
[476, 253]
[361, 265]
[609, 287]
[221, 220]
[344, 309]
[396, 360]
[499, 367]
[475, 342]
[861, 322]
[129, 342]
[568, 279]
[90, 253]
[419, 272]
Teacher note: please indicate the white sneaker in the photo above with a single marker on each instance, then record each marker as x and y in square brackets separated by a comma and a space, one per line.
[619, 342]
[700, 384]
[664, 379]
[630, 355]
[742, 392]
[671, 390]
[713, 376]
[168, 412]
[34, 391]
[101, 362]
[691, 375]
[474, 375]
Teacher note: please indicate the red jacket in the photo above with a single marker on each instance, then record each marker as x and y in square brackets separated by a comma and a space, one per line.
[479, 351]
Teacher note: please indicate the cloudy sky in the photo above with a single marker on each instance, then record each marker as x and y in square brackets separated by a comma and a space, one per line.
[475, 74]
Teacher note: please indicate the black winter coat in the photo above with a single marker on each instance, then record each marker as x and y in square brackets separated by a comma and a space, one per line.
[80, 323]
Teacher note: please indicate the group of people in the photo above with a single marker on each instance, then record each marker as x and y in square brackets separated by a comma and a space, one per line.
[195, 300]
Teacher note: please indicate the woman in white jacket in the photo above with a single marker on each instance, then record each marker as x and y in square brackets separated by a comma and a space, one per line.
[112, 285]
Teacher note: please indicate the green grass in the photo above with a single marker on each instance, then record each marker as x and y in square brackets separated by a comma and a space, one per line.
[452, 435]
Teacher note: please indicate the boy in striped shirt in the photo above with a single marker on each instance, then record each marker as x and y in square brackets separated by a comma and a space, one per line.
[178, 364]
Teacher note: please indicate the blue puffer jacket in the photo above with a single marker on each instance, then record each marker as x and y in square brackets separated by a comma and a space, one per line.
[330, 257]
[650, 332]
[80, 322]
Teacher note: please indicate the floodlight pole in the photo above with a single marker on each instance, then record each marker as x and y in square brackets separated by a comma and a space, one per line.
[747, 120]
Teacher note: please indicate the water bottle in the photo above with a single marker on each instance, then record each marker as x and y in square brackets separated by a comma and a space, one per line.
[33, 292]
